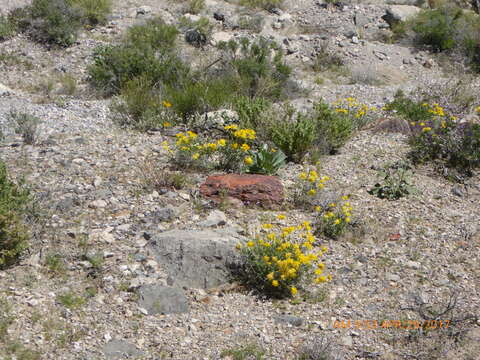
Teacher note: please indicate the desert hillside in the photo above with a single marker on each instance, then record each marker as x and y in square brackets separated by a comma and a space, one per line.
[241, 179]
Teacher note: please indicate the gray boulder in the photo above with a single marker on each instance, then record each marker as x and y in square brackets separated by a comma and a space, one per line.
[196, 259]
[157, 299]
[400, 13]
[120, 350]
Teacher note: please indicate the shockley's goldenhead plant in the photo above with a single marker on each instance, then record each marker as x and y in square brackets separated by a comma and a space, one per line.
[279, 259]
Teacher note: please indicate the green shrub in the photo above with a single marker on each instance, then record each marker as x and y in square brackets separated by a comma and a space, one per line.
[51, 21]
[443, 140]
[394, 183]
[258, 67]
[140, 107]
[7, 28]
[24, 124]
[251, 110]
[277, 261]
[294, 134]
[94, 12]
[437, 27]
[263, 4]
[246, 352]
[114, 66]
[267, 161]
[448, 27]
[13, 234]
[334, 218]
[333, 128]
[198, 95]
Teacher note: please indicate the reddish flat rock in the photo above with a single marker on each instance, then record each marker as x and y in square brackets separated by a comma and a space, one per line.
[261, 190]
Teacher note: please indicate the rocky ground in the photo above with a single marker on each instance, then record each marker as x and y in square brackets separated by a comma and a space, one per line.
[100, 280]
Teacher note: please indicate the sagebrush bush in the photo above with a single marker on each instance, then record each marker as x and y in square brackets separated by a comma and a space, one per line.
[13, 233]
[294, 133]
[7, 28]
[24, 124]
[114, 66]
[251, 110]
[263, 4]
[93, 12]
[279, 259]
[140, 107]
[49, 21]
[258, 66]
[449, 27]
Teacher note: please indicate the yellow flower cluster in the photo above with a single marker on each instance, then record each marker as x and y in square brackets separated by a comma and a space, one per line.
[335, 217]
[477, 109]
[435, 109]
[188, 143]
[282, 257]
[312, 182]
[350, 106]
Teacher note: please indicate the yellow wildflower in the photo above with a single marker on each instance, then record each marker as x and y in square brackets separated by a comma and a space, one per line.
[195, 156]
[281, 217]
[250, 244]
[312, 192]
[318, 208]
[425, 129]
[166, 104]
[248, 160]
[303, 176]
[166, 124]
[245, 147]
[267, 226]
[275, 283]
[293, 290]
[222, 142]
[270, 276]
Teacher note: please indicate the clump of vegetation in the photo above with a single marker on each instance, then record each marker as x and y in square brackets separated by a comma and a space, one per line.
[114, 66]
[14, 199]
[262, 4]
[267, 161]
[449, 27]
[257, 67]
[248, 351]
[70, 300]
[251, 111]
[307, 186]
[7, 28]
[437, 136]
[24, 124]
[334, 218]
[278, 260]
[395, 182]
[58, 21]
[294, 133]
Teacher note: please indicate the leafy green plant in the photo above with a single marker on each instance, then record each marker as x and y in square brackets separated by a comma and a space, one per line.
[114, 66]
[24, 124]
[50, 21]
[94, 12]
[251, 110]
[70, 300]
[14, 199]
[7, 28]
[294, 134]
[140, 107]
[55, 263]
[394, 183]
[267, 161]
[258, 67]
[409, 109]
[262, 4]
[249, 351]
[334, 218]
[276, 262]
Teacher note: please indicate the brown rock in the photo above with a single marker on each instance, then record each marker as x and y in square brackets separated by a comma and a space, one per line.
[261, 190]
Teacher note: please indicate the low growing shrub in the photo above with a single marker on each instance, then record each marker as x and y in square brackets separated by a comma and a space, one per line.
[140, 107]
[267, 161]
[442, 139]
[278, 260]
[334, 219]
[94, 12]
[395, 182]
[258, 67]
[7, 28]
[13, 233]
[24, 124]
[262, 4]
